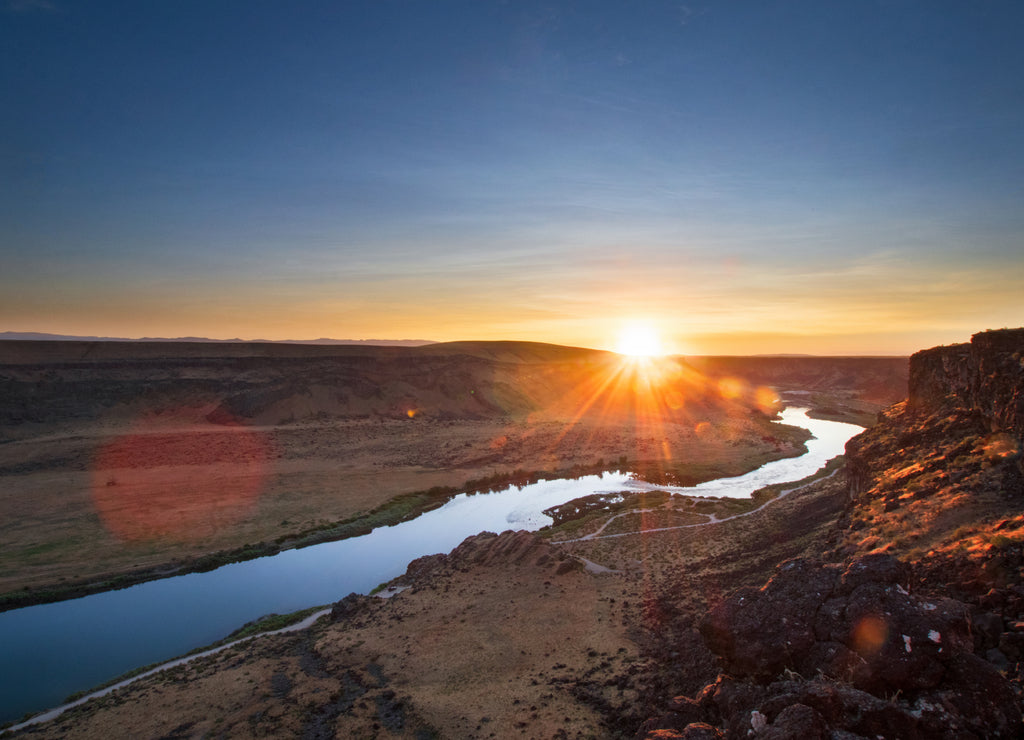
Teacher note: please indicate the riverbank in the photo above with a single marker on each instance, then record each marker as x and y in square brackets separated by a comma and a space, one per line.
[303, 620]
[312, 575]
[48, 548]
[123, 462]
[659, 511]
[268, 626]
[440, 654]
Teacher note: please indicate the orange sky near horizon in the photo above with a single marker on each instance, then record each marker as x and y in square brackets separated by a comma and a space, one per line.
[600, 330]
[749, 178]
[892, 309]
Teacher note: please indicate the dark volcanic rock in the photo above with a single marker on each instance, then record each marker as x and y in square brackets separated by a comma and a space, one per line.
[760, 633]
[516, 548]
[348, 607]
[973, 705]
[874, 568]
[859, 625]
[797, 720]
[422, 567]
[701, 731]
[695, 731]
[886, 662]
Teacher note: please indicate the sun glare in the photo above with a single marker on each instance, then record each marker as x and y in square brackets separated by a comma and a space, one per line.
[639, 340]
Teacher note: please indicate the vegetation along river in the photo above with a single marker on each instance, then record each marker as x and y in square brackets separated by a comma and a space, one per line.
[51, 650]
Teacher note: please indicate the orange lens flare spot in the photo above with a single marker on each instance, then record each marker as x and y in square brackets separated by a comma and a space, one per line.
[160, 483]
[766, 399]
[411, 413]
[675, 400]
[730, 388]
[869, 635]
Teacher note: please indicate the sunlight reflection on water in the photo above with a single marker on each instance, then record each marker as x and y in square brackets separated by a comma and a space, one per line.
[829, 440]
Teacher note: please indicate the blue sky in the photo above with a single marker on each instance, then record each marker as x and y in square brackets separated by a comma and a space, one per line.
[744, 176]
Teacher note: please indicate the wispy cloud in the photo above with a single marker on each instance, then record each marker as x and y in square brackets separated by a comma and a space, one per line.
[686, 14]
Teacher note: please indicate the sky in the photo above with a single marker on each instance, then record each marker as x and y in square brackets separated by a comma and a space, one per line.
[743, 177]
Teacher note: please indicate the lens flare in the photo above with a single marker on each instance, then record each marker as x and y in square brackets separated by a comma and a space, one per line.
[869, 635]
[767, 399]
[731, 388]
[162, 483]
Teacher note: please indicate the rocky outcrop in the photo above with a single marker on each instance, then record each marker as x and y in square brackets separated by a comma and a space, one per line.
[957, 439]
[859, 625]
[487, 549]
[986, 375]
[868, 645]
[519, 548]
[349, 607]
[822, 650]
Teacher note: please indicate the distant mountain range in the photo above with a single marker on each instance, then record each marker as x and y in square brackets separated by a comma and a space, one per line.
[40, 336]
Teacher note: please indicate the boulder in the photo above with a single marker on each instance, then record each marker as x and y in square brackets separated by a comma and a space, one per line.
[348, 607]
[797, 720]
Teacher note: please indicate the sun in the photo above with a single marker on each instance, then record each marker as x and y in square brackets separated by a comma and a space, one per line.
[639, 340]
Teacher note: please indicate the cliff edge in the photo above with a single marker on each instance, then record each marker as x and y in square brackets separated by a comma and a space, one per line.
[912, 624]
[986, 375]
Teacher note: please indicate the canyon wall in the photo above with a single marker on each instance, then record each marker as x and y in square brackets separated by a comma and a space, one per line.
[986, 375]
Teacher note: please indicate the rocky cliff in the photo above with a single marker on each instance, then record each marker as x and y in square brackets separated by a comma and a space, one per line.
[986, 375]
[965, 406]
[912, 625]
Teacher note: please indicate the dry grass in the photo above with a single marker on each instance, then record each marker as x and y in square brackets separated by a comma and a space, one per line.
[56, 528]
[961, 493]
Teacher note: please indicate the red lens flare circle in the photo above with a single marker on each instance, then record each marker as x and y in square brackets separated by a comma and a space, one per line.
[158, 483]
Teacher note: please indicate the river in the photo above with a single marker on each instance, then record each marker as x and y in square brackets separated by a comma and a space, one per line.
[51, 650]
